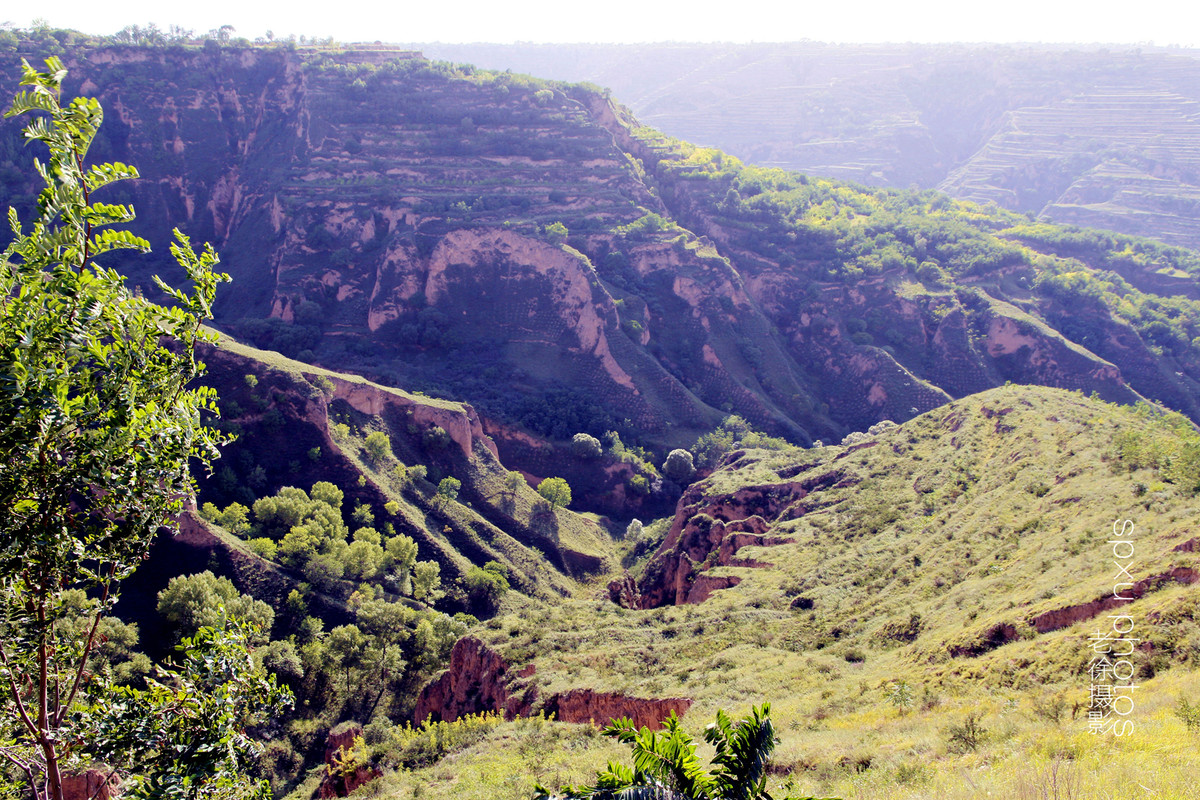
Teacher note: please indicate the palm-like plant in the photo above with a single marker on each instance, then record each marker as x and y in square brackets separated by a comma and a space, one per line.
[665, 766]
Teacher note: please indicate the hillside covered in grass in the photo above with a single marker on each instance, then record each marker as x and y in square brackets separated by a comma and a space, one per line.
[883, 592]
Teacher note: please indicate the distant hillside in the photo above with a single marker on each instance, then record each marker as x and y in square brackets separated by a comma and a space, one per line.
[529, 247]
[1102, 137]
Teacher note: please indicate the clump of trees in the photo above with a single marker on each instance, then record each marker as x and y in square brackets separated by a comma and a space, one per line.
[732, 434]
[306, 531]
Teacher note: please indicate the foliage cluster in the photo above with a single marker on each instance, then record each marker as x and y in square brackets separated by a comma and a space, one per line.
[97, 426]
[732, 434]
[408, 747]
[665, 763]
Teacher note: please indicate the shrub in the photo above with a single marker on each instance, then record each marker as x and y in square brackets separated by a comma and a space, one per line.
[586, 446]
[679, 466]
[1189, 714]
[263, 547]
[966, 735]
[900, 695]
[448, 489]
[556, 233]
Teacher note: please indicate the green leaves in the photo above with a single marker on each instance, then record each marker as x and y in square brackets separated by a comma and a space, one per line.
[111, 240]
[97, 428]
[100, 175]
[187, 731]
[665, 766]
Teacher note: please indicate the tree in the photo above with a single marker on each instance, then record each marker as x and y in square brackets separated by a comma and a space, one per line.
[586, 446]
[513, 481]
[426, 578]
[448, 489]
[378, 446]
[191, 602]
[665, 766]
[485, 587]
[96, 427]
[679, 467]
[555, 491]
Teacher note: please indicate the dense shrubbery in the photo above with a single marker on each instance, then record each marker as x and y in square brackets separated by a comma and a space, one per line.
[733, 433]
[1166, 443]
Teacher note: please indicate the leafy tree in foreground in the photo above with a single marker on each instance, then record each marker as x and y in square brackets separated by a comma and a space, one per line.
[97, 426]
[187, 731]
[665, 766]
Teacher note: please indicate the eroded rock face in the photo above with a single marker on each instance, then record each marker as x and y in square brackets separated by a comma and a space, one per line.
[708, 532]
[460, 422]
[341, 780]
[479, 680]
[475, 682]
[92, 784]
[1066, 617]
[1002, 633]
[600, 708]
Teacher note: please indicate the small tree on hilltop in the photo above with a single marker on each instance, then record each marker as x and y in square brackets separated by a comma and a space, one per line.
[556, 492]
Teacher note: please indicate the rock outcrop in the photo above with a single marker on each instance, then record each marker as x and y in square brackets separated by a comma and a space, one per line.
[708, 531]
[601, 708]
[479, 680]
[475, 682]
[92, 784]
[344, 771]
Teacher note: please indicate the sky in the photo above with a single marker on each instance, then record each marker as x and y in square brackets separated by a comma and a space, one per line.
[612, 21]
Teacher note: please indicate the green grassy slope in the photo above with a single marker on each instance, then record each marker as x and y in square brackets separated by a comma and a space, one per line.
[933, 560]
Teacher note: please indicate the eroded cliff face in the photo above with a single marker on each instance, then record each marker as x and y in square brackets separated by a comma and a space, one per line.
[479, 680]
[709, 530]
[397, 227]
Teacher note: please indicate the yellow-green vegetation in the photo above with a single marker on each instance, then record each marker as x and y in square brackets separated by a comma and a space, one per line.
[982, 514]
[481, 758]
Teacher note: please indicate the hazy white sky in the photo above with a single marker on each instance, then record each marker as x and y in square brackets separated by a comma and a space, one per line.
[1141, 21]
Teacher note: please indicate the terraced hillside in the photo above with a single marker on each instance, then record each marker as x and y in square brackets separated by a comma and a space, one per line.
[1103, 137]
[529, 247]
